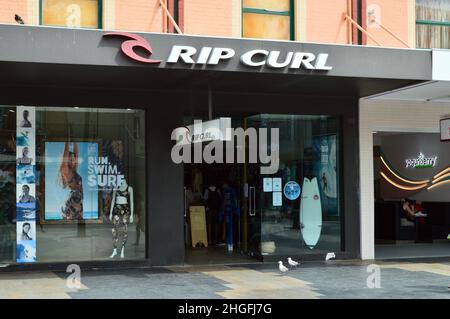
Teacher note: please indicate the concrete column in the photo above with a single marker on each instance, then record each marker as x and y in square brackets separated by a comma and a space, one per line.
[367, 209]
[165, 195]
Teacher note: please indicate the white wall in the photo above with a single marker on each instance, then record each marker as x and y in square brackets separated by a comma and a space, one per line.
[387, 116]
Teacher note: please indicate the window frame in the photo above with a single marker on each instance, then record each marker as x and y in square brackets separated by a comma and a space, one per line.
[290, 14]
[99, 15]
[433, 23]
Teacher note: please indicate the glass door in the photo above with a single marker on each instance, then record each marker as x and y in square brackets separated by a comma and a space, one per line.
[296, 210]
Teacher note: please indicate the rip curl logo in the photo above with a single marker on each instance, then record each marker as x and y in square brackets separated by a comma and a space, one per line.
[421, 162]
[134, 41]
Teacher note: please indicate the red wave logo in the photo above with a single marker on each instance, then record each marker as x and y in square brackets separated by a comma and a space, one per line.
[134, 41]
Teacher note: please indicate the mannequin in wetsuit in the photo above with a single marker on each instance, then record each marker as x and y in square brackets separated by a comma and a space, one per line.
[121, 214]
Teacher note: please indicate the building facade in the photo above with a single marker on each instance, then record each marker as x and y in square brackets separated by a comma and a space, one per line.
[402, 23]
[93, 90]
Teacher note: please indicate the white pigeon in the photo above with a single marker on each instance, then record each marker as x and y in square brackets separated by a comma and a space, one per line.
[282, 268]
[292, 263]
[330, 256]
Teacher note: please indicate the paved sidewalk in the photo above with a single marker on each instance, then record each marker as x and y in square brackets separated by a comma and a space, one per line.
[336, 279]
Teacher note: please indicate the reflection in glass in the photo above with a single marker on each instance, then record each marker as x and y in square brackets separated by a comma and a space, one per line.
[70, 13]
[309, 220]
[266, 26]
[81, 156]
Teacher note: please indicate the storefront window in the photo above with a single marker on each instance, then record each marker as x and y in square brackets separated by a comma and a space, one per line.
[433, 24]
[71, 13]
[72, 184]
[300, 205]
[267, 19]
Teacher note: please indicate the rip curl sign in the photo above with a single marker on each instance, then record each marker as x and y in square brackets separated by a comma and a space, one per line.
[421, 162]
[207, 55]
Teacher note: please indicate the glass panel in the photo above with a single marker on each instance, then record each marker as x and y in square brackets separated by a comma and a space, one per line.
[273, 5]
[264, 26]
[300, 205]
[433, 10]
[432, 36]
[7, 184]
[71, 166]
[70, 13]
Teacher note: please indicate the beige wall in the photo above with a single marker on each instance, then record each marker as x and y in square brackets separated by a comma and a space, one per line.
[325, 21]
[206, 17]
[9, 8]
[138, 15]
[395, 15]
[315, 21]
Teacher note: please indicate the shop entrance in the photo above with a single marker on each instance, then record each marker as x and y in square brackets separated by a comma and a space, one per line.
[216, 192]
[412, 208]
[295, 211]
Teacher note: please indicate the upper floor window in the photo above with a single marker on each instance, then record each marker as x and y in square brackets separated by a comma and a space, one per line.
[268, 19]
[433, 24]
[71, 13]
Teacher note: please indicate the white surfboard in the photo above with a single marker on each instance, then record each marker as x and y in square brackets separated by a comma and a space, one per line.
[310, 212]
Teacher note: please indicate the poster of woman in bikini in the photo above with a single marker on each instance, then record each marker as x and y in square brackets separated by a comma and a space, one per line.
[67, 193]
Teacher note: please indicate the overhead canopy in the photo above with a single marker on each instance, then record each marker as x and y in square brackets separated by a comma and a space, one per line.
[47, 57]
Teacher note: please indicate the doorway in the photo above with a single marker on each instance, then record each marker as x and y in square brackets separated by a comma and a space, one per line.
[296, 211]
[412, 211]
[205, 185]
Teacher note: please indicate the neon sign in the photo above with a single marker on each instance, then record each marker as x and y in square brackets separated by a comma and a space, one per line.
[421, 162]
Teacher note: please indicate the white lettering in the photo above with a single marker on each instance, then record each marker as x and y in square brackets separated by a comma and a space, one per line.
[305, 59]
[272, 60]
[183, 52]
[322, 61]
[220, 54]
[204, 55]
[112, 169]
[247, 58]
[252, 58]
[421, 162]
[92, 180]
[73, 281]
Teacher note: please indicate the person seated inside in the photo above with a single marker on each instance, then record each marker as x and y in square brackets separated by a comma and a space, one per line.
[412, 209]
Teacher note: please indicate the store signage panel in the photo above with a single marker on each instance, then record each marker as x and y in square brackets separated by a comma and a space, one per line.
[445, 130]
[206, 55]
[421, 161]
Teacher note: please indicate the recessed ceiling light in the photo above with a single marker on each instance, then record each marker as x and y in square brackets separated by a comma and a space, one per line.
[12, 111]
